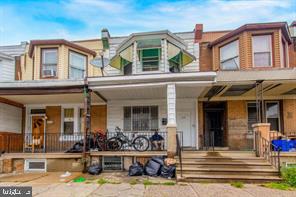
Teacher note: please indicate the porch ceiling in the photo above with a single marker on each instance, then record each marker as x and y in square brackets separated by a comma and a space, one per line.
[149, 92]
[276, 89]
[51, 99]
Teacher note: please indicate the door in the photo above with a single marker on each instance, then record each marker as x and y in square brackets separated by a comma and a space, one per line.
[38, 129]
[215, 128]
[184, 125]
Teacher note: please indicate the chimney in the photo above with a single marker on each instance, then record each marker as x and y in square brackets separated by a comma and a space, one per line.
[105, 38]
[198, 32]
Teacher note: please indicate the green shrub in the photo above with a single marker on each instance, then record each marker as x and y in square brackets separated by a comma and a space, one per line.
[280, 186]
[289, 175]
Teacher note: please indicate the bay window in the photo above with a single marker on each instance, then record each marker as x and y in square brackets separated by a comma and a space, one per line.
[262, 48]
[77, 65]
[141, 118]
[229, 56]
[49, 61]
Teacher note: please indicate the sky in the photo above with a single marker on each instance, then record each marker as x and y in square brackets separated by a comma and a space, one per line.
[25, 20]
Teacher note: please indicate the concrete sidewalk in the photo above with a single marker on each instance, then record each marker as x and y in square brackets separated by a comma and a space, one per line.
[52, 185]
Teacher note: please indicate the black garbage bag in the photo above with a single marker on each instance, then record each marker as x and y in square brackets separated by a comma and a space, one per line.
[168, 171]
[152, 168]
[159, 160]
[77, 148]
[94, 169]
[136, 169]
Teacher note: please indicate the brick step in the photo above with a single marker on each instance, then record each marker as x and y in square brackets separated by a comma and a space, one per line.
[226, 178]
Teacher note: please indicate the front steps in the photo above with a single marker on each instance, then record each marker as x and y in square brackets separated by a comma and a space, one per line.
[225, 166]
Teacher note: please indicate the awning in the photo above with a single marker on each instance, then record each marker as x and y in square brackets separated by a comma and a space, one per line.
[123, 58]
[179, 56]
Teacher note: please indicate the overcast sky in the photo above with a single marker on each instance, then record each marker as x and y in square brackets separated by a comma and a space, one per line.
[24, 20]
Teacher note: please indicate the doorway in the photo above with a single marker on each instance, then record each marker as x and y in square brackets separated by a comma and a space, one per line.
[38, 129]
[215, 132]
[184, 125]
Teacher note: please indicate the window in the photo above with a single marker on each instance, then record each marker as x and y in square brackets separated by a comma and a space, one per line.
[81, 120]
[252, 116]
[143, 118]
[150, 59]
[229, 56]
[69, 121]
[49, 63]
[273, 115]
[77, 65]
[284, 54]
[262, 50]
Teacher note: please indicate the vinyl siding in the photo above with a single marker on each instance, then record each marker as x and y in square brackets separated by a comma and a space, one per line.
[10, 118]
[7, 70]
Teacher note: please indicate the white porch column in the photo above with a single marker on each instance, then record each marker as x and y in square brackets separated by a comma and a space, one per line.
[171, 115]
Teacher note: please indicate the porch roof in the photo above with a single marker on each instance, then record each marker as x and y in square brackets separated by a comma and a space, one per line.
[188, 85]
[237, 85]
[45, 92]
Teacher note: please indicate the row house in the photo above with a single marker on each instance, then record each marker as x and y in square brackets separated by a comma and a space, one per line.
[207, 88]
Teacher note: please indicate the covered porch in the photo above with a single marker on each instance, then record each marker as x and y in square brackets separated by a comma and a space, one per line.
[240, 99]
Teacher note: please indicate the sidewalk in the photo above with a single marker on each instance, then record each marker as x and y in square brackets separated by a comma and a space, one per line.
[51, 185]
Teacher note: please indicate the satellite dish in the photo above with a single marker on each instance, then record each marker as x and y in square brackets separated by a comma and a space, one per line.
[97, 62]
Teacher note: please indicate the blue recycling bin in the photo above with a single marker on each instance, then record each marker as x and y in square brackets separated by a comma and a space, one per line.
[284, 145]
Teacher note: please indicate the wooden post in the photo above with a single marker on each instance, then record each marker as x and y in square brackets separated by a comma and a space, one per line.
[86, 118]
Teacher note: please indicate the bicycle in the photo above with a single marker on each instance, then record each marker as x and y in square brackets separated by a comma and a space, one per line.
[139, 143]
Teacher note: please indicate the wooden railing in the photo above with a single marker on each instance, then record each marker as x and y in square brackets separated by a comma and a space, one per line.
[265, 148]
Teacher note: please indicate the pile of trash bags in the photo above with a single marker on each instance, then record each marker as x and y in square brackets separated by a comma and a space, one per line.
[95, 169]
[156, 166]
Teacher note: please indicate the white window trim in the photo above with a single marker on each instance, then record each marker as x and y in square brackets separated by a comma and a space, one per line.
[237, 40]
[279, 114]
[26, 166]
[76, 133]
[271, 54]
[70, 66]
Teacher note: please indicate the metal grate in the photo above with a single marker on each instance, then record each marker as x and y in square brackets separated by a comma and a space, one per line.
[112, 163]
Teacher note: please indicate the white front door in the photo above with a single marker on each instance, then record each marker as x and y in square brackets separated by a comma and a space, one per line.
[184, 125]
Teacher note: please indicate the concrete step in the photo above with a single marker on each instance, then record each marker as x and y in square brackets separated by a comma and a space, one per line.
[218, 153]
[228, 171]
[226, 178]
[226, 163]
[224, 159]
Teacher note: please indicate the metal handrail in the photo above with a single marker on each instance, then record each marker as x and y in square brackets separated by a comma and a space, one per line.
[264, 148]
[179, 153]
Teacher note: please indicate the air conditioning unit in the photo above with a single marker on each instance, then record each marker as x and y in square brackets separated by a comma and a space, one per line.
[49, 73]
[35, 165]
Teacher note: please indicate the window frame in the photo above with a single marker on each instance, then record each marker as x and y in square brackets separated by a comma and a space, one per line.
[238, 56]
[76, 118]
[284, 53]
[131, 117]
[41, 62]
[69, 65]
[271, 50]
[140, 53]
[279, 113]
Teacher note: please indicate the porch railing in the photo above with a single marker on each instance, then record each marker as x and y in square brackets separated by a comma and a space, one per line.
[179, 151]
[265, 148]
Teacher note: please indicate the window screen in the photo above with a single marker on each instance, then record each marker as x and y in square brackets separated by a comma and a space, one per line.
[150, 59]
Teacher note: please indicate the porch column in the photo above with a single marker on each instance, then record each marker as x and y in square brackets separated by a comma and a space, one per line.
[171, 115]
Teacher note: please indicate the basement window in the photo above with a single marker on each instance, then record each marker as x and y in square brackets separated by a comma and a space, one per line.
[112, 163]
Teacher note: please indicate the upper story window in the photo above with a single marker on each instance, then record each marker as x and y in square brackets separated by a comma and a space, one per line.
[49, 61]
[229, 56]
[77, 65]
[149, 54]
[262, 50]
[284, 57]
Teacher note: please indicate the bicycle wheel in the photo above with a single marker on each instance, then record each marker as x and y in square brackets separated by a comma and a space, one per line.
[113, 144]
[141, 143]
